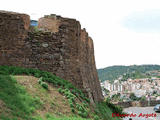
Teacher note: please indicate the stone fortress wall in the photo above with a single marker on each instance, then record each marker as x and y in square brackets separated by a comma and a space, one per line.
[59, 45]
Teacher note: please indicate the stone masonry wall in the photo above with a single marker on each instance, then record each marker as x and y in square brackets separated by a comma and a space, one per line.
[63, 49]
[138, 103]
[13, 31]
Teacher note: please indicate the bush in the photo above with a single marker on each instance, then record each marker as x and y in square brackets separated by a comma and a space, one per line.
[40, 80]
[71, 105]
[96, 117]
[44, 85]
[82, 110]
[133, 97]
[73, 110]
[37, 75]
[114, 108]
[82, 114]
[143, 98]
[60, 90]
[103, 111]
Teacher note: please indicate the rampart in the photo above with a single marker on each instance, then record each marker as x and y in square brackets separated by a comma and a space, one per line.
[58, 45]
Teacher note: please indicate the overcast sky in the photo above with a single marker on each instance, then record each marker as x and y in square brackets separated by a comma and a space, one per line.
[125, 32]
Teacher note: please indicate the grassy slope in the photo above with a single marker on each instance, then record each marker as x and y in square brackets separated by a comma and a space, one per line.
[18, 102]
[23, 98]
[52, 101]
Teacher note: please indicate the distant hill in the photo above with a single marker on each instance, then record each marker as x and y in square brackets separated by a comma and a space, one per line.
[113, 72]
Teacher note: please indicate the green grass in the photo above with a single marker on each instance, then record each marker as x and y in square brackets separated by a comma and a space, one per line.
[23, 105]
[104, 112]
[70, 91]
[67, 118]
[52, 117]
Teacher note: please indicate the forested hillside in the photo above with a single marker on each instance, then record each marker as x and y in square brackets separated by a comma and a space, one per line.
[113, 72]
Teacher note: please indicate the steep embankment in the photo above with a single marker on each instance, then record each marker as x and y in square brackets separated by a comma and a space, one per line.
[25, 95]
[30, 94]
[28, 97]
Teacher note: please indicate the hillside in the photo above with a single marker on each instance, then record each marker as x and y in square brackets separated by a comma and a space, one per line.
[31, 94]
[113, 72]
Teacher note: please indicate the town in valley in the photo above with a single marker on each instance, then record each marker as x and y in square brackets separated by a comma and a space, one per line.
[131, 89]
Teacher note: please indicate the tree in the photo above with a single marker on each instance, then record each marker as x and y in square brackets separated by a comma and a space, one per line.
[143, 98]
[116, 97]
[106, 92]
[132, 96]
[154, 92]
[156, 83]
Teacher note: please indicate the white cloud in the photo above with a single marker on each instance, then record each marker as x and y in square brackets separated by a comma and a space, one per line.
[114, 44]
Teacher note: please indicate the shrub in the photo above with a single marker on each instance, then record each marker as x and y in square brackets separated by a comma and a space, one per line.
[96, 117]
[83, 114]
[44, 85]
[37, 75]
[73, 110]
[87, 100]
[60, 90]
[40, 80]
[114, 108]
[103, 111]
[81, 110]
[71, 105]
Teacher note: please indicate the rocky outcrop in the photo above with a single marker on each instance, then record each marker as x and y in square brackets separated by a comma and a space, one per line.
[58, 46]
